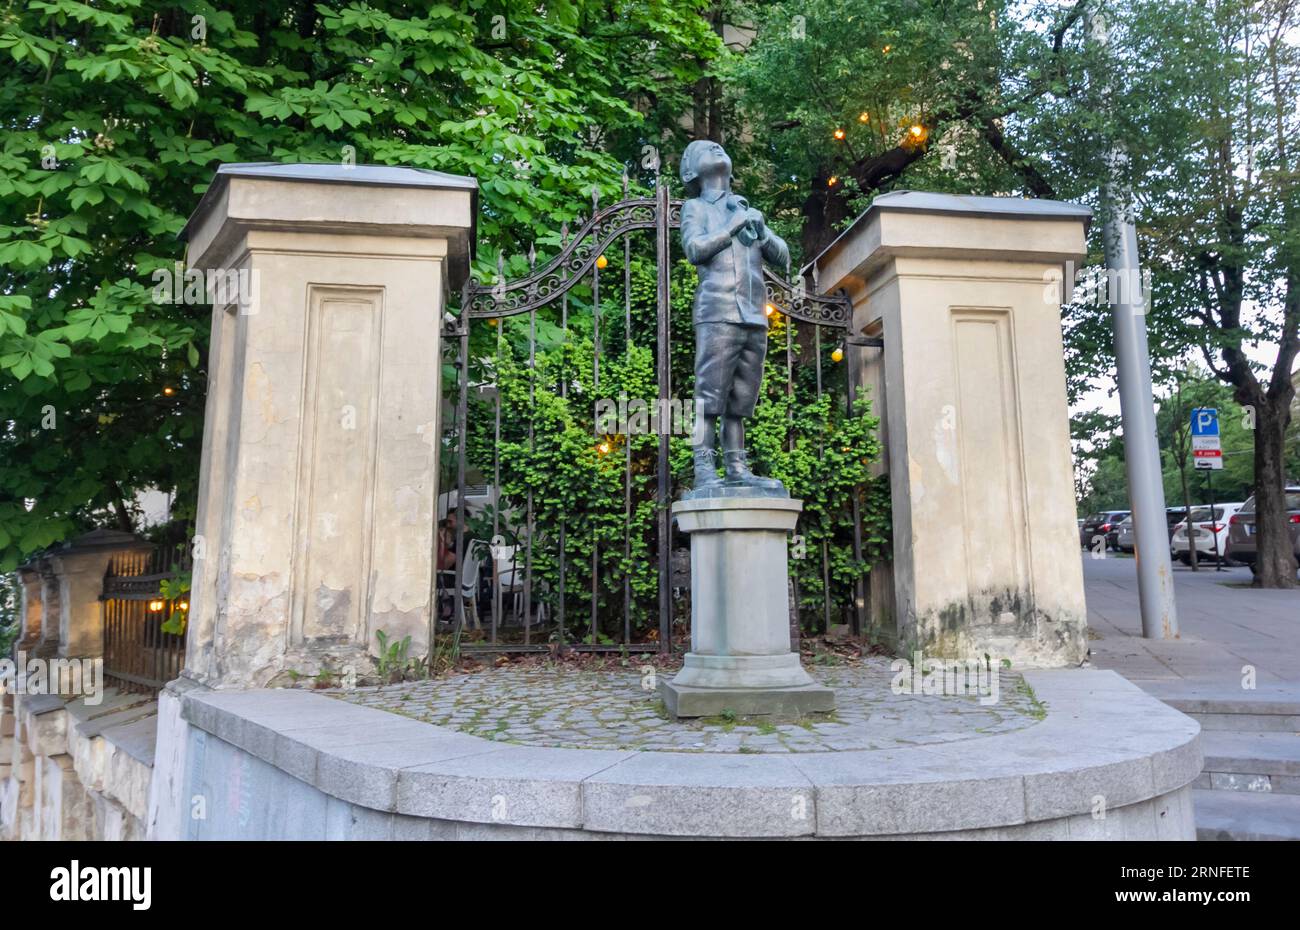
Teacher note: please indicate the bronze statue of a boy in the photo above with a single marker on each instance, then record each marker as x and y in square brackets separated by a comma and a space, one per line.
[727, 241]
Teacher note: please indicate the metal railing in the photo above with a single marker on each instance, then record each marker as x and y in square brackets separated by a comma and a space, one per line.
[139, 654]
[543, 295]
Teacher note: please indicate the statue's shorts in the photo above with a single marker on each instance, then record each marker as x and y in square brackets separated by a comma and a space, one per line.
[728, 368]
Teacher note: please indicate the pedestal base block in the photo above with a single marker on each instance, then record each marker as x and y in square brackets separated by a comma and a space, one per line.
[686, 701]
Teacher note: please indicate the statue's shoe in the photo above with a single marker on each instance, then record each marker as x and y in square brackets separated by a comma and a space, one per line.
[706, 471]
[738, 474]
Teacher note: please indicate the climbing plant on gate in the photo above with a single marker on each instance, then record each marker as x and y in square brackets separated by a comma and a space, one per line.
[575, 470]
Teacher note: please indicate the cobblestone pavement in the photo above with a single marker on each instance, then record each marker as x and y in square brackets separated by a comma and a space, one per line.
[615, 709]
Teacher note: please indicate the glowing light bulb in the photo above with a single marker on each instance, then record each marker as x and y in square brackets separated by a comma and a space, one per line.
[769, 309]
[602, 262]
[839, 134]
[155, 605]
[832, 181]
[864, 116]
[837, 355]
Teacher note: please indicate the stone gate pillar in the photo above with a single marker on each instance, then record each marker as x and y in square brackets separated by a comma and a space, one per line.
[966, 293]
[318, 482]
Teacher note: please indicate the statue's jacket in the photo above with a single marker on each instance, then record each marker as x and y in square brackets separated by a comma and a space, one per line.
[731, 288]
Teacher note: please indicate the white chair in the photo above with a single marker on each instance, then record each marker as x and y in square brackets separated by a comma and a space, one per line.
[469, 583]
[509, 573]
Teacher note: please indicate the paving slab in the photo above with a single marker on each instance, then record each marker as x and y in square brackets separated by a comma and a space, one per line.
[1227, 627]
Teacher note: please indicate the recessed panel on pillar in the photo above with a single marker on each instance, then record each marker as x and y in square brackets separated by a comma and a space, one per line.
[334, 519]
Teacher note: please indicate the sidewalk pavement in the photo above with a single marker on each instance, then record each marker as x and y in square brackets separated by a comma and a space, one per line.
[1225, 625]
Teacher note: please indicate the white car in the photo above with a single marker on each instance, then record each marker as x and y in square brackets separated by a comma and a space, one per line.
[1211, 534]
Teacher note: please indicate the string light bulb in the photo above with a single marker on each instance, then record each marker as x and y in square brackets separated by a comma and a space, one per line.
[155, 605]
[864, 117]
[602, 262]
[769, 309]
[837, 355]
[839, 135]
[832, 181]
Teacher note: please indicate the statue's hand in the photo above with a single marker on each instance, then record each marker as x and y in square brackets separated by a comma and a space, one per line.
[755, 219]
[739, 219]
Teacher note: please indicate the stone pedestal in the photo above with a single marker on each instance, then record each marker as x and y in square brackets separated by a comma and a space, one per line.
[317, 488]
[740, 659]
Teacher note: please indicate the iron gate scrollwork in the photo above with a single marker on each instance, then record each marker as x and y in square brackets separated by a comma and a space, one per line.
[578, 262]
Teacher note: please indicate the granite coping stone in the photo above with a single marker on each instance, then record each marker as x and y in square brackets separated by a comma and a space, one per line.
[136, 738]
[99, 725]
[38, 704]
[1102, 738]
[112, 702]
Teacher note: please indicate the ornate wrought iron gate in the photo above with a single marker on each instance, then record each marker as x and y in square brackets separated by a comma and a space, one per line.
[579, 260]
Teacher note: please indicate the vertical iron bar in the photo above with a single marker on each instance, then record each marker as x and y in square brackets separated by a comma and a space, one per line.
[528, 503]
[663, 491]
[462, 429]
[595, 353]
[564, 326]
[157, 635]
[789, 419]
[826, 571]
[496, 467]
[627, 438]
[859, 587]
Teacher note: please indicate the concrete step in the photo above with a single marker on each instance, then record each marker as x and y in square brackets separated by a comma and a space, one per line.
[1269, 710]
[1261, 762]
[1245, 815]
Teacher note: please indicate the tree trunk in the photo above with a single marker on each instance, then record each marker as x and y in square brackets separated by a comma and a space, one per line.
[823, 210]
[120, 511]
[1275, 557]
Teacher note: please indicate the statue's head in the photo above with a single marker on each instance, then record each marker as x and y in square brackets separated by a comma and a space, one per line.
[703, 158]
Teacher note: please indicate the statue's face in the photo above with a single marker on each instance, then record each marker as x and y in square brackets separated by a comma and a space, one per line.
[713, 162]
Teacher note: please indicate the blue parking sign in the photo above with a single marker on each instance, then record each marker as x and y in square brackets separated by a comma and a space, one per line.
[1205, 421]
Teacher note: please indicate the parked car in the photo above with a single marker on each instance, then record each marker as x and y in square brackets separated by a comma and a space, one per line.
[1174, 516]
[1241, 528]
[1103, 523]
[1210, 530]
[1126, 537]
